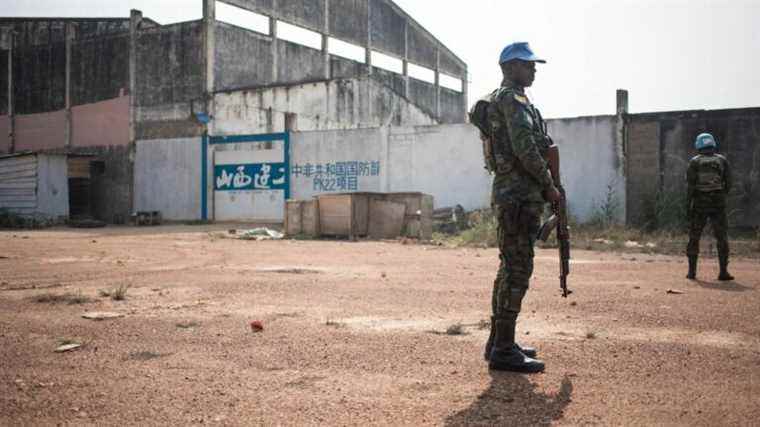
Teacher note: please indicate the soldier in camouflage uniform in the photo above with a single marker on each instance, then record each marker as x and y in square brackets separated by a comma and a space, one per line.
[709, 180]
[522, 185]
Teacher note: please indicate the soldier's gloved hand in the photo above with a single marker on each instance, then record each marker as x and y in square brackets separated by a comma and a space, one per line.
[552, 195]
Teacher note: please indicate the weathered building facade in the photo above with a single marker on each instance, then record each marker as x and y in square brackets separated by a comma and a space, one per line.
[128, 90]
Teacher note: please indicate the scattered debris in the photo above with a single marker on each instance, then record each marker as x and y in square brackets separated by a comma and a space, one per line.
[651, 245]
[101, 315]
[383, 275]
[590, 335]
[257, 326]
[604, 241]
[261, 233]
[573, 303]
[147, 218]
[188, 325]
[633, 244]
[334, 323]
[674, 292]
[67, 347]
[86, 223]
[455, 329]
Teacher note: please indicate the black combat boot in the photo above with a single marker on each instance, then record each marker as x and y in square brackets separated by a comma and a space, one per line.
[506, 355]
[528, 351]
[692, 268]
[724, 274]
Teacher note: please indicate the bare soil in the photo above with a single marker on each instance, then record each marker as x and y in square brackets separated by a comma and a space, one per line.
[356, 333]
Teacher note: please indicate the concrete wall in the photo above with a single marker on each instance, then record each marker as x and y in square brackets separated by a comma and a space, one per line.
[41, 31]
[661, 145]
[170, 81]
[101, 123]
[444, 161]
[362, 154]
[245, 59]
[335, 104]
[5, 128]
[592, 166]
[52, 185]
[40, 131]
[168, 178]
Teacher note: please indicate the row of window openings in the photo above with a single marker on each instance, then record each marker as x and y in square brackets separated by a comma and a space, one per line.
[295, 34]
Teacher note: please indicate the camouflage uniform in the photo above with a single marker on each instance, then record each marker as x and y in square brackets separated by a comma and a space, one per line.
[520, 178]
[709, 180]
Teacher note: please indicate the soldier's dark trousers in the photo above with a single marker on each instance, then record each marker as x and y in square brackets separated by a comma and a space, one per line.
[517, 228]
[717, 218]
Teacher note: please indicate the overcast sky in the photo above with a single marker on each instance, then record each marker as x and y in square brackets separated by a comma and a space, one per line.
[669, 54]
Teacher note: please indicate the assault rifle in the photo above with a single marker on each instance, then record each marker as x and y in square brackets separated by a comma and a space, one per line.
[559, 221]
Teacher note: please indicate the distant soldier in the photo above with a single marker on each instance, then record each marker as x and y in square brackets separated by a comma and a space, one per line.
[709, 181]
[515, 143]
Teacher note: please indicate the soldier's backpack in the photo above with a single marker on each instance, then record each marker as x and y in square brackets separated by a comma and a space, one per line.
[479, 118]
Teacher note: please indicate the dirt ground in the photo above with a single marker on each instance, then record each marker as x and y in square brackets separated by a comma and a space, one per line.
[355, 333]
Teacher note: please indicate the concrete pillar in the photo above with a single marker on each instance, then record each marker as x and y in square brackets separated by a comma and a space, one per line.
[368, 47]
[622, 102]
[11, 113]
[69, 29]
[326, 41]
[621, 146]
[405, 62]
[438, 85]
[465, 91]
[209, 25]
[273, 34]
[135, 17]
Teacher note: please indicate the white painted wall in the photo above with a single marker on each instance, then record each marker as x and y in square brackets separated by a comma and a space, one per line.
[167, 177]
[333, 104]
[591, 160]
[248, 205]
[52, 185]
[326, 149]
[445, 161]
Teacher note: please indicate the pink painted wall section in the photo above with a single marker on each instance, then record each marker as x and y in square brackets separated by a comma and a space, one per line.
[101, 123]
[5, 141]
[40, 131]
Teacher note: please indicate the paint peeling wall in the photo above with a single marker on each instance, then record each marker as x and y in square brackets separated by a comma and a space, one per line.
[42, 131]
[101, 123]
[335, 104]
[168, 177]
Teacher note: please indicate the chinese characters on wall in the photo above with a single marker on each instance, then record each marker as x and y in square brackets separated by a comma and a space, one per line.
[261, 176]
[338, 176]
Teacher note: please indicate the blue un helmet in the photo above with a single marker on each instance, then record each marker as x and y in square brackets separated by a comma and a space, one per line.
[519, 50]
[705, 141]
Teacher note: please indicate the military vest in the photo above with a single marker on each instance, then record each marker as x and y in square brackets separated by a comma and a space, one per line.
[710, 173]
[500, 156]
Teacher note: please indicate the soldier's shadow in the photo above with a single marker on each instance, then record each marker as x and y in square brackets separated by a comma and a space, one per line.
[731, 286]
[511, 399]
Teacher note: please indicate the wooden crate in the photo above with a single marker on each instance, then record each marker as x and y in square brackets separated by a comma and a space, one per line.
[302, 218]
[344, 215]
[418, 220]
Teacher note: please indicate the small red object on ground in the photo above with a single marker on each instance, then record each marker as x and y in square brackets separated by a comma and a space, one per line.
[257, 326]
